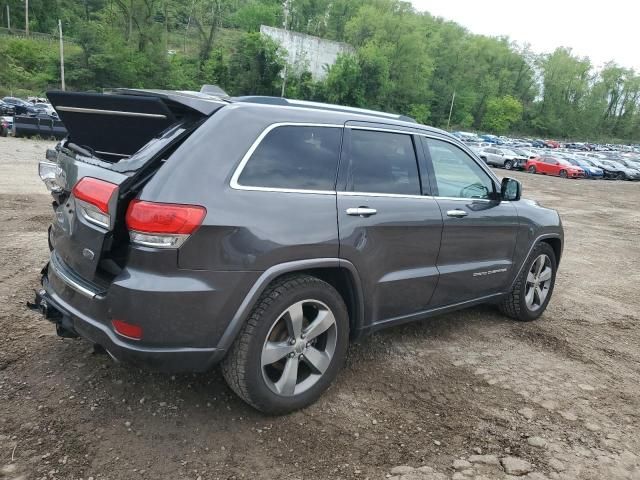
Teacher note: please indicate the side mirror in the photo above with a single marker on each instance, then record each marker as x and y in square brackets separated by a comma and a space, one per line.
[510, 189]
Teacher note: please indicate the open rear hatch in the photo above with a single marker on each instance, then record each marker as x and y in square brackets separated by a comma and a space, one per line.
[116, 143]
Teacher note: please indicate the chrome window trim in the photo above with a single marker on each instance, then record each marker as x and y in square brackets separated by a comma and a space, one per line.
[465, 199]
[387, 195]
[111, 112]
[236, 185]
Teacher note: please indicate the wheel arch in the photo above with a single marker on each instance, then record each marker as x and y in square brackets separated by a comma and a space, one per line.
[554, 240]
[556, 244]
[339, 273]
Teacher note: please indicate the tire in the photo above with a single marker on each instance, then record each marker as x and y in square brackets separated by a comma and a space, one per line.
[260, 384]
[508, 165]
[563, 173]
[621, 176]
[515, 304]
[532, 169]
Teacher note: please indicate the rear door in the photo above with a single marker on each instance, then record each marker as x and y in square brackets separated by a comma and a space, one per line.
[479, 233]
[389, 225]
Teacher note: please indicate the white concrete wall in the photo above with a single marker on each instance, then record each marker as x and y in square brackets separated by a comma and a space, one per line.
[306, 51]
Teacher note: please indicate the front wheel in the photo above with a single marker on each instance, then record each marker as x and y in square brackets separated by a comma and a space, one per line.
[621, 176]
[532, 169]
[292, 346]
[532, 289]
[508, 165]
[563, 173]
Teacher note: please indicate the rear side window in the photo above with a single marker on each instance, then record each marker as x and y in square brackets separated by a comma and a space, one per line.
[382, 162]
[295, 158]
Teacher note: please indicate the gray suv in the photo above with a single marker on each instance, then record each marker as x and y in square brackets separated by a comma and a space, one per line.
[266, 234]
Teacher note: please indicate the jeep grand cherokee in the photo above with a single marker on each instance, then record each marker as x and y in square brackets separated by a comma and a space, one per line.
[265, 234]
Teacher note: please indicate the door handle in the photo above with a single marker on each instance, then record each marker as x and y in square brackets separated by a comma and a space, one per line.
[457, 213]
[361, 211]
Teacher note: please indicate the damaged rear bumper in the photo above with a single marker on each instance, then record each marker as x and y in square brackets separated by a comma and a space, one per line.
[71, 323]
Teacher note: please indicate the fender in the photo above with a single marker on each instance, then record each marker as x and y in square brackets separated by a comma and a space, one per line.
[236, 323]
[526, 257]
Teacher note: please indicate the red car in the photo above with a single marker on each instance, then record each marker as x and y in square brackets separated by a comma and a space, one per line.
[554, 166]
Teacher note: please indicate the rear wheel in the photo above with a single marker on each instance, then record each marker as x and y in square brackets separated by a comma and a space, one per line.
[292, 346]
[563, 173]
[532, 169]
[532, 290]
[508, 165]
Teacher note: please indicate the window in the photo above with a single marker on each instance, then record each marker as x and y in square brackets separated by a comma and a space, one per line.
[295, 157]
[456, 173]
[382, 162]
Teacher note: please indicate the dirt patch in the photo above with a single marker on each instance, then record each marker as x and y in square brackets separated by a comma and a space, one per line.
[561, 393]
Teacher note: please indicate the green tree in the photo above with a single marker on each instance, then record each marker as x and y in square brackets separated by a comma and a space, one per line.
[502, 113]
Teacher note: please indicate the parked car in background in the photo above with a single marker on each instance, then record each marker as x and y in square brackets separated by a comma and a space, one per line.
[46, 109]
[548, 165]
[21, 107]
[624, 172]
[525, 153]
[589, 170]
[610, 173]
[6, 108]
[629, 163]
[551, 144]
[490, 138]
[502, 157]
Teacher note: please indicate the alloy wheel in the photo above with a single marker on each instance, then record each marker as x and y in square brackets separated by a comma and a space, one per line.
[538, 282]
[299, 347]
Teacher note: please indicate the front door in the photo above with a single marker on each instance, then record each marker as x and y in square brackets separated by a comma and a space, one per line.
[479, 233]
[389, 229]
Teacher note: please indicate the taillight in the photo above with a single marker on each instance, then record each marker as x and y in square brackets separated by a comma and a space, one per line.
[94, 196]
[162, 225]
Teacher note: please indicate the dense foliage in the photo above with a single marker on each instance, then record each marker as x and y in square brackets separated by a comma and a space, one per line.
[404, 61]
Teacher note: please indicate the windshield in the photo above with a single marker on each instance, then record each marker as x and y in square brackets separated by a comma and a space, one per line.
[583, 163]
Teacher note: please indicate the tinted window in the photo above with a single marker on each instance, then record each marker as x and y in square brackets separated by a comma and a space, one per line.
[382, 162]
[292, 157]
[456, 173]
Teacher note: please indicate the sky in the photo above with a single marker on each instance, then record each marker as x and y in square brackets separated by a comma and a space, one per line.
[603, 31]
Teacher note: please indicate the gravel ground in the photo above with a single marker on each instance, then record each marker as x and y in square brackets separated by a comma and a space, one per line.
[466, 395]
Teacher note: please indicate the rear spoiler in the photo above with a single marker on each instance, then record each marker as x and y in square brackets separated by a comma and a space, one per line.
[117, 124]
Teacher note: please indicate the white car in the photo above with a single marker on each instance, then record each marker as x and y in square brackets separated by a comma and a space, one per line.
[502, 157]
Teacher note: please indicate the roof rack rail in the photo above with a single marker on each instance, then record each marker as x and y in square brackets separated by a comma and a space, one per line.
[266, 100]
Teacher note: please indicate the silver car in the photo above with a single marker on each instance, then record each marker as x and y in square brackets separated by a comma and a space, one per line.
[502, 157]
